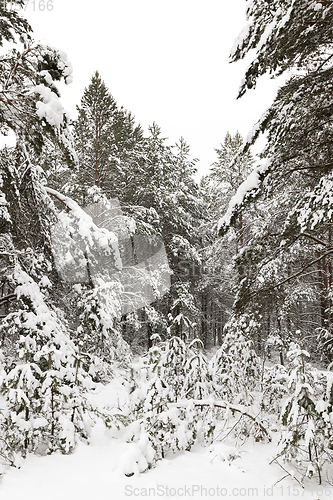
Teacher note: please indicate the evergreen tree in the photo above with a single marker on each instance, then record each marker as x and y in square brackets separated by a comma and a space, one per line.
[43, 378]
[175, 372]
[183, 312]
[291, 187]
[165, 185]
[304, 438]
[230, 169]
[94, 135]
[105, 137]
[44, 391]
[218, 256]
[235, 368]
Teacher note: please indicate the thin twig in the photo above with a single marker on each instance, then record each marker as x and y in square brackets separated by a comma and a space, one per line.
[225, 406]
[287, 474]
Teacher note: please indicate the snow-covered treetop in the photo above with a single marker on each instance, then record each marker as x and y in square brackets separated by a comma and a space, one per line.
[29, 98]
[285, 34]
[294, 36]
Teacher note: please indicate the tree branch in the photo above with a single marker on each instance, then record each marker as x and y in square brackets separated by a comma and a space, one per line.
[7, 298]
[294, 275]
[224, 406]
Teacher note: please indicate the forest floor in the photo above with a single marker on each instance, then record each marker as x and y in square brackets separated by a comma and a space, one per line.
[96, 471]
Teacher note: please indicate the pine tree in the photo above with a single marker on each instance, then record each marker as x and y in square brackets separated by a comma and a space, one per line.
[183, 313]
[44, 400]
[231, 168]
[227, 172]
[198, 383]
[98, 332]
[43, 377]
[106, 138]
[291, 186]
[94, 136]
[175, 373]
[165, 186]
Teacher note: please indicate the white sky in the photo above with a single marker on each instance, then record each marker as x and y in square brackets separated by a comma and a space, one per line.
[163, 60]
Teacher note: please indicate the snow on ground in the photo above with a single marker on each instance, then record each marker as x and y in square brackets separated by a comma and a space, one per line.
[94, 472]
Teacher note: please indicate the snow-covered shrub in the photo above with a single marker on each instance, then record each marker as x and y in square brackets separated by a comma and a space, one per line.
[235, 368]
[44, 390]
[98, 332]
[274, 388]
[306, 440]
[140, 455]
[173, 373]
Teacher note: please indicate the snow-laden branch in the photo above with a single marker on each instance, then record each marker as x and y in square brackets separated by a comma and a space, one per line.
[79, 213]
[87, 228]
[219, 404]
[251, 183]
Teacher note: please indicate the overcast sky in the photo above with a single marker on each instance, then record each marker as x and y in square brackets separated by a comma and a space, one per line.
[163, 60]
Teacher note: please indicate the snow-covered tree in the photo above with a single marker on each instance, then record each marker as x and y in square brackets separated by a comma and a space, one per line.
[44, 391]
[45, 251]
[163, 396]
[198, 382]
[305, 417]
[105, 137]
[290, 183]
[183, 312]
[218, 186]
[235, 368]
[98, 331]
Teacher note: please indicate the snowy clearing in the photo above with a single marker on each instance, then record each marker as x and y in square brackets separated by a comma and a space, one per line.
[91, 472]
[95, 471]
